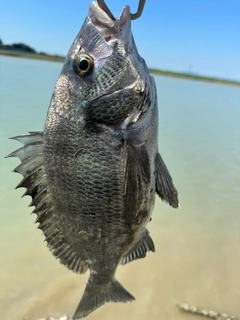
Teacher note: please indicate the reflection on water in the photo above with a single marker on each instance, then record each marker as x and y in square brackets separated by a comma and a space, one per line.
[197, 248]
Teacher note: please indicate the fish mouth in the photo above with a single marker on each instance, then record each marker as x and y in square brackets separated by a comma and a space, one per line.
[109, 27]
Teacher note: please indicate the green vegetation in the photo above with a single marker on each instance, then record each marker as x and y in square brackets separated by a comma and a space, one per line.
[25, 51]
[40, 55]
[17, 47]
[191, 76]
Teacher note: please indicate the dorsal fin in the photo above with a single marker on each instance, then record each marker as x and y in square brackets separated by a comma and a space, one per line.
[35, 181]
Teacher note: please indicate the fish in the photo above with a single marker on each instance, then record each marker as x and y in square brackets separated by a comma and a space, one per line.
[94, 170]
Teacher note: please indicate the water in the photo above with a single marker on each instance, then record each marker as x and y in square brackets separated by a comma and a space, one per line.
[197, 255]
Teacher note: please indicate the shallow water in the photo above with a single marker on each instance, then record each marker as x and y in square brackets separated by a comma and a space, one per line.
[197, 255]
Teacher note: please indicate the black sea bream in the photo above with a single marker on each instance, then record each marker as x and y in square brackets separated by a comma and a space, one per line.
[95, 169]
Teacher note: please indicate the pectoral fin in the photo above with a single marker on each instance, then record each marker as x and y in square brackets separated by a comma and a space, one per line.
[164, 184]
[139, 249]
[137, 177]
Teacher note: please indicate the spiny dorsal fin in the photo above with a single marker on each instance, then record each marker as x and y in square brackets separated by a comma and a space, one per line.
[35, 181]
[31, 138]
[140, 248]
[31, 166]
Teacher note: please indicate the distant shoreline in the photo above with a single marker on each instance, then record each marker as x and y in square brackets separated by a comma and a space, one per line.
[39, 56]
[152, 70]
[190, 76]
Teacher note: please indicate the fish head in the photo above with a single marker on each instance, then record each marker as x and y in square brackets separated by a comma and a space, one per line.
[103, 77]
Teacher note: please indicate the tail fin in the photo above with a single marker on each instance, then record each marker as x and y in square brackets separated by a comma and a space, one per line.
[96, 295]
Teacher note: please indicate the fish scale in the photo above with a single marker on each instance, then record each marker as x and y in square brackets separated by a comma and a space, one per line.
[95, 169]
[106, 80]
[86, 171]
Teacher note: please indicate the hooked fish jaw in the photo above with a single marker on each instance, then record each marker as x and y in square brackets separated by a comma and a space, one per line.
[117, 69]
[112, 29]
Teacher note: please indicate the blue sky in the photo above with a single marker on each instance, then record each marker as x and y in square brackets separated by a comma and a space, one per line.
[200, 36]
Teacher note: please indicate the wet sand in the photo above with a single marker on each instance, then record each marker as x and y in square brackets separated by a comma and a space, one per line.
[194, 263]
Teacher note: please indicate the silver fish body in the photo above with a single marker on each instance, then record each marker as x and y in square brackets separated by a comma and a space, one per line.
[94, 171]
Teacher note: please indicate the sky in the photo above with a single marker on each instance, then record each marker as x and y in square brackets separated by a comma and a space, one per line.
[198, 36]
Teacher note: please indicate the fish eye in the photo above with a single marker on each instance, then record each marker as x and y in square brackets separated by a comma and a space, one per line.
[83, 65]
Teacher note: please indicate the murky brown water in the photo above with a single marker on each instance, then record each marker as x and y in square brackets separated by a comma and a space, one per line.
[197, 257]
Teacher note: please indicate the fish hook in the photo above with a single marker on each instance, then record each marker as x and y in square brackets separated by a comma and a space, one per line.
[139, 11]
[134, 16]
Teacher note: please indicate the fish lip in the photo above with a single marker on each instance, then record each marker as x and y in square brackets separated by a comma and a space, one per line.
[107, 26]
[125, 15]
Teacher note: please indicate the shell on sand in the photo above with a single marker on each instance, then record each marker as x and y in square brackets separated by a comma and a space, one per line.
[206, 313]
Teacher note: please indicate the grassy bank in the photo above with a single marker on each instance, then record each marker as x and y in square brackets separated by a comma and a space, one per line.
[153, 71]
[193, 77]
[39, 56]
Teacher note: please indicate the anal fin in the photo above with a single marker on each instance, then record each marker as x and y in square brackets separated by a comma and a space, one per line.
[139, 249]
